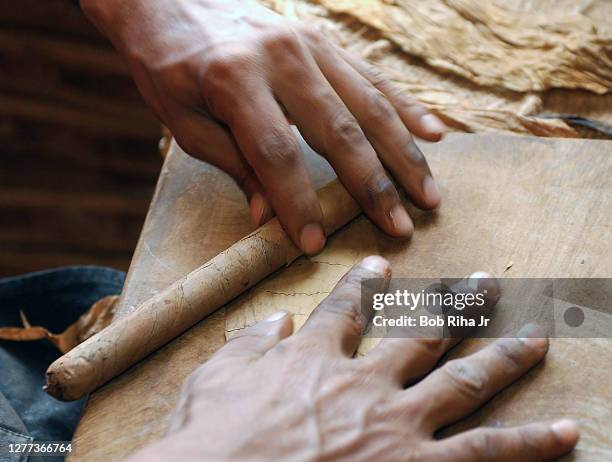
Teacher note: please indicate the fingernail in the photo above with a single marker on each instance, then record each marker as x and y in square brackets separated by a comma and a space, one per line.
[312, 238]
[431, 192]
[401, 221]
[432, 124]
[475, 278]
[533, 335]
[566, 430]
[481, 281]
[258, 207]
[376, 264]
[276, 316]
[531, 330]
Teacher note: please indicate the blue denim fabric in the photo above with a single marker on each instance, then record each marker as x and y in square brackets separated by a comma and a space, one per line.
[53, 299]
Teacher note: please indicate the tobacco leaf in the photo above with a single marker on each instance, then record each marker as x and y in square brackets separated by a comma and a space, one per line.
[492, 45]
[463, 105]
[95, 319]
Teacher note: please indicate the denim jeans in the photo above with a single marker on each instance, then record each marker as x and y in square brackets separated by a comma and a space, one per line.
[53, 299]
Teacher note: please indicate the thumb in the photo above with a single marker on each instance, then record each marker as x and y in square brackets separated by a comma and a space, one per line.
[259, 338]
[260, 208]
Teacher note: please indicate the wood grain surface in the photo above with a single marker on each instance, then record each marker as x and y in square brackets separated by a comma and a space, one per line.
[513, 206]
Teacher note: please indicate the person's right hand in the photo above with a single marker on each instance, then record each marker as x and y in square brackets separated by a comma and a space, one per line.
[224, 76]
[269, 395]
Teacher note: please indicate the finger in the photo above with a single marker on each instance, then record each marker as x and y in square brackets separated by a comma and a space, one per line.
[248, 345]
[405, 360]
[417, 119]
[234, 91]
[478, 284]
[330, 128]
[339, 320]
[272, 150]
[261, 210]
[205, 139]
[407, 354]
[383, 127]
[533, 442]
[253, 342]
[463, 385]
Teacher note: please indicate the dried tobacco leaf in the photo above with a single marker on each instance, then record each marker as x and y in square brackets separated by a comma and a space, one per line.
[491, 45]
[462, 104]
[95, 319]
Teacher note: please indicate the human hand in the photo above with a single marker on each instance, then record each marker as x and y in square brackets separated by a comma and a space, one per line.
[269, 395]
[224, 76]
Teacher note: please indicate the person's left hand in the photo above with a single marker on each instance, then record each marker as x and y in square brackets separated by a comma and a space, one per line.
[269, 395]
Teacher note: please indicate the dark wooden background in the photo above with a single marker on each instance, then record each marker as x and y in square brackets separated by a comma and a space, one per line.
[78, 146]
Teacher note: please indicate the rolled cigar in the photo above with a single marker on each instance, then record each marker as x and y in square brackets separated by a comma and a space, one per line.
[187, 301]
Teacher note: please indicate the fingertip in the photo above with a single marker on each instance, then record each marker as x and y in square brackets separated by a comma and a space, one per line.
[434, 129]
[567, 432]
[312, 238]
[484, 282]
[401, 222]
[534, 336]
[376, 264]
[475, 279]
[431, 193]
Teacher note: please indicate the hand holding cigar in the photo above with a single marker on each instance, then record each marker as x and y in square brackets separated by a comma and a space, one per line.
[187, 301]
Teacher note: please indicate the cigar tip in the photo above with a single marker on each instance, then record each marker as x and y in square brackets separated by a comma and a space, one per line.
[55, 385]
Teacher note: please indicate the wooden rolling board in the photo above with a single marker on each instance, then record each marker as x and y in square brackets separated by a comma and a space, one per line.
[538, 206]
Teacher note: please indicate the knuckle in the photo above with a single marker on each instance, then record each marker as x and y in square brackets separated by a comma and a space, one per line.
[379, 110]
[348, 310]
[220, 81]
[433, 346]
[343, 132]
[277, 148]
[376, 77]
[415, 154]
[218, 69]
[283, 43]
[338, 382]
[509, 352]
[310, 32]
[221, 69]
[529, 440]
[469, 378]
[189, 142]
[378, 189]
